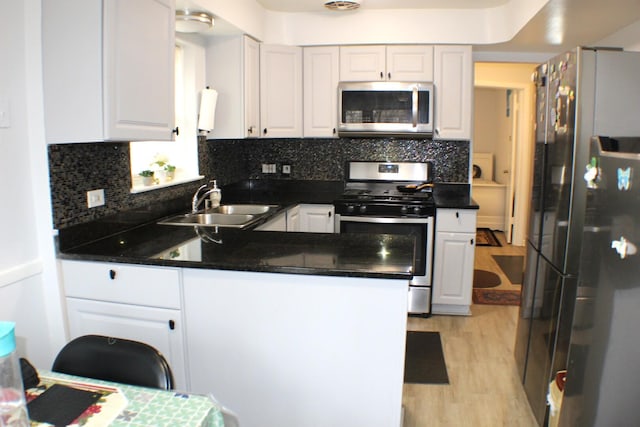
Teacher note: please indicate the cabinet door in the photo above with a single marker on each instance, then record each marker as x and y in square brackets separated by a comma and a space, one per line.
[362, 63]
[251, 70]
[316, 218]
[139, 52]
[159, 327]
[279, 223]
[293, 219]
[453, 82]
[453, 268]
[410, 63]
[280, 91]
[321, 70]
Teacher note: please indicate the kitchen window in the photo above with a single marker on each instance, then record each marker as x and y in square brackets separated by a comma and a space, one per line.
[182, 153]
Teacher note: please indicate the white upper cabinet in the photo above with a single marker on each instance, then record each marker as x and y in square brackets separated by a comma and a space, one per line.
[280, 91]
[412, 63]
[321, 76]
[453, 82]
[108, 70]
[233, 70]
[362, 63]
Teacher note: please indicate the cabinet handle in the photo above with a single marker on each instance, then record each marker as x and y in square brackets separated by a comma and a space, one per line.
[389, 76]
[471, 242]
[381, 75]
[264, 131]
[329, 213]
[250, 130]
[334, 131]
[172, 325]
[457, 214]
[112, 274]
[176, 130]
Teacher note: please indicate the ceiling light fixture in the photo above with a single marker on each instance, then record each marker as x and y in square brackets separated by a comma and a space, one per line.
[343, 5]
[192, 22]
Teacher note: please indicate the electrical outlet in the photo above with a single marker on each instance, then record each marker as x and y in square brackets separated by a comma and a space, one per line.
[268, 168]
[95, 198]
[286, 169]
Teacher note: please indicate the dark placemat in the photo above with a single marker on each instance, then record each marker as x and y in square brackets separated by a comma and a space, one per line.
[512, 266]
[424, 360]
[60, 405]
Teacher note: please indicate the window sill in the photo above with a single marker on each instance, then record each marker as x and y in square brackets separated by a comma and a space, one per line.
[138, 187]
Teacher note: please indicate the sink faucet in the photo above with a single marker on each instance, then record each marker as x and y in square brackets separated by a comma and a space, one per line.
[198, 198]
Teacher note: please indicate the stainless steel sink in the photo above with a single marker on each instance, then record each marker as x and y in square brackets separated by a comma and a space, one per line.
[237, 216]
[242, 209]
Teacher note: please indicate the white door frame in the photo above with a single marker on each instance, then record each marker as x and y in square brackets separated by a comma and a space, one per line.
[522, 153]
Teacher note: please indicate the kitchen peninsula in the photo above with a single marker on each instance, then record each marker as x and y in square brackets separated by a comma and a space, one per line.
[284, 328]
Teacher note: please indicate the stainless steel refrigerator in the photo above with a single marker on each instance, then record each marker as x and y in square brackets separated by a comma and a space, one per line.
[579, 94]
[603, 373]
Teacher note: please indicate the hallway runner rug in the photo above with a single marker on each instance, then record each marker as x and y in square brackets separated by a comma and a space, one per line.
[485, 237]
[496, 296]
[424, 359]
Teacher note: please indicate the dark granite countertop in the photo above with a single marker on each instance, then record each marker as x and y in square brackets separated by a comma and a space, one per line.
[453, 196]
[356, 255]
[135, 237]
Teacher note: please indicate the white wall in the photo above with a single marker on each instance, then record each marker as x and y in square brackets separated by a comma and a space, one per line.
[492, 129]
[29, 293]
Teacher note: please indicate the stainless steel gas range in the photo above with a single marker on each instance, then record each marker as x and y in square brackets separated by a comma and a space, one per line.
[393, 198]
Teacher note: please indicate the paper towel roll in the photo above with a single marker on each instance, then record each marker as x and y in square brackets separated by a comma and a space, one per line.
[207, 116]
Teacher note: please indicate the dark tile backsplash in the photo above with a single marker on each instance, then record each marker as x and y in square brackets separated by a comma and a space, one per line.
[324, 159]
[76, 168]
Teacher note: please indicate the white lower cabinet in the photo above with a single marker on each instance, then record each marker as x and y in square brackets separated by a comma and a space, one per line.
[277, 223]
[130, 302]
[316, 218]
[306, 218]
[454, 255]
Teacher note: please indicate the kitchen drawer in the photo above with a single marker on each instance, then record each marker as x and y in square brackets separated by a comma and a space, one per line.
[456, 220]
[129, 284]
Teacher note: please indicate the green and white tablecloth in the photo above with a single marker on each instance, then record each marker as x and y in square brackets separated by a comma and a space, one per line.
[124, 405]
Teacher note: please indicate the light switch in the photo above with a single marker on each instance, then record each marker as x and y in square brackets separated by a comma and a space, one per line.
[95, 198]
[5, 112]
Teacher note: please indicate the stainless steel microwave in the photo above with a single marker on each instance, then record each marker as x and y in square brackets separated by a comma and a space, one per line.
[385, 108]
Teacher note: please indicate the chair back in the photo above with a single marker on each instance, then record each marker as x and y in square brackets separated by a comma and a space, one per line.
[114, 359]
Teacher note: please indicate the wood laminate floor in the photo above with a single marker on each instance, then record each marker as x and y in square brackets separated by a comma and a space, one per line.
[484, 389]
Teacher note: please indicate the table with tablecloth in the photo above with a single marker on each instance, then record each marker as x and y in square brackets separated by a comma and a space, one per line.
[122, 405]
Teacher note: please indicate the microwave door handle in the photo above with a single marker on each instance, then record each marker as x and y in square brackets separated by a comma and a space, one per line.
[414, 106]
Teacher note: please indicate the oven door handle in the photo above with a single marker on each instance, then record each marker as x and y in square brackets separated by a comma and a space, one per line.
[414, 106]
[382, 220]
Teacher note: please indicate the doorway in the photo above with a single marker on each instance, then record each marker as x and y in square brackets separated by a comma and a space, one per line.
[503, 118]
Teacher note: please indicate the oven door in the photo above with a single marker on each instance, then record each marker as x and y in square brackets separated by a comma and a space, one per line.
[419, 300]
[416, 227]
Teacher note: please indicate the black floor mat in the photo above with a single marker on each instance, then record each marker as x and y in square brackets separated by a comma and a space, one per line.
[512, 266]
[424, 361]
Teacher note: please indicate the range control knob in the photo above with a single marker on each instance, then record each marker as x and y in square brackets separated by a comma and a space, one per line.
[403, 210]
[363, 209]
[350, 208]
[416, 210]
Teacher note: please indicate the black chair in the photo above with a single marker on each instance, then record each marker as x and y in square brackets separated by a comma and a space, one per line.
[114, 359]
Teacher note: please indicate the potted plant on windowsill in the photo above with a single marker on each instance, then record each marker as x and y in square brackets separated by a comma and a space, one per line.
[170, 172]
[147, 177]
